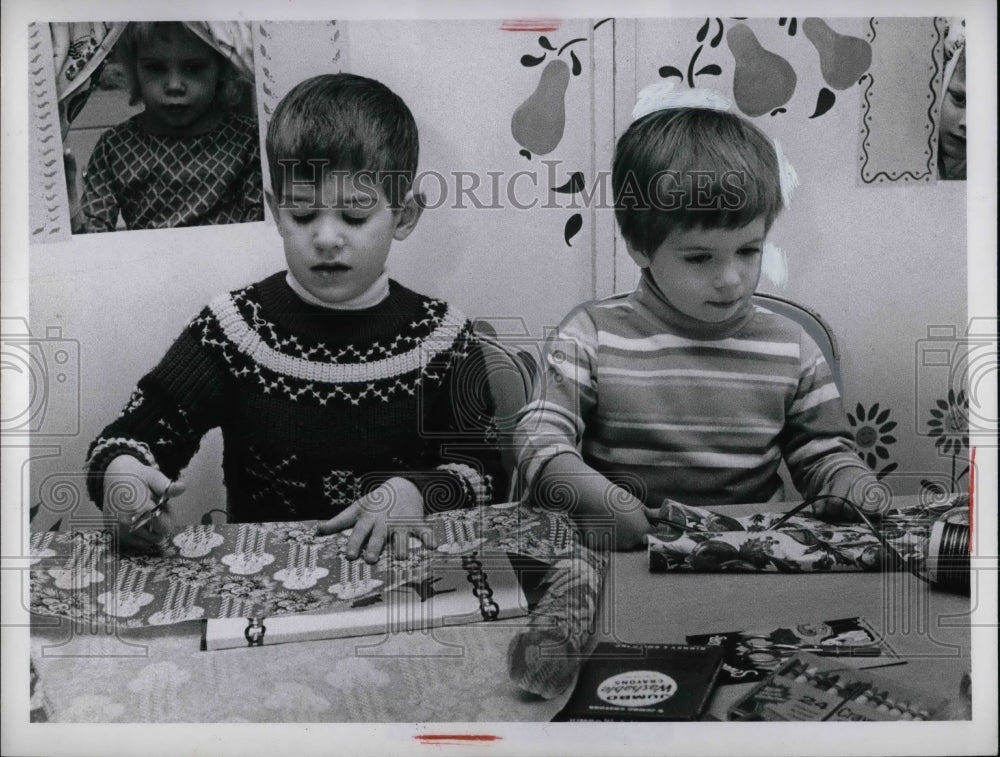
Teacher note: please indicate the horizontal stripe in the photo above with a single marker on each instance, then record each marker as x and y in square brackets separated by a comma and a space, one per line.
[692, 373]
[816, 397]
[816, 448]
[671, 341]
[697, 459]
[719, 428]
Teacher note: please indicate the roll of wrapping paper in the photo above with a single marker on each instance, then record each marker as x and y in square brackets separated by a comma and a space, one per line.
[545, 659]
[948, 559]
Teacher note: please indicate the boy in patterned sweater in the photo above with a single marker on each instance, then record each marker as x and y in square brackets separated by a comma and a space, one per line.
[684, 389]
[342, 395]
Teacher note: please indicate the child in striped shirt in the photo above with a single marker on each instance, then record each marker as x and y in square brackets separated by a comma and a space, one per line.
[684, 389]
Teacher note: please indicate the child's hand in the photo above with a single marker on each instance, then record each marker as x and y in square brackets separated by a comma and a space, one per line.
[858, 486]
[390, 512]
[631, 528]
[131, 488]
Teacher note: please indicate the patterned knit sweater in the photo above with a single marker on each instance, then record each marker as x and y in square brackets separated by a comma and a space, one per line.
[668, 406]
[317, 407]
[160, 182]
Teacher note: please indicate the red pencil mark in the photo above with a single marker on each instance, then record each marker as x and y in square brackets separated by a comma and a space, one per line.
[530, 25]
[972, 492]
[455, 738]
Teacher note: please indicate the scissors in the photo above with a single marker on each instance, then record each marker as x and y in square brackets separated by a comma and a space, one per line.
[145, 518]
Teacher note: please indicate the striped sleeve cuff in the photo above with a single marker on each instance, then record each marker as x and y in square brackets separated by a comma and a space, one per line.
[103, 452]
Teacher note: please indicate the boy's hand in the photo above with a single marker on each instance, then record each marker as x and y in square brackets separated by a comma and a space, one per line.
[858, 486]
[632, 528]
[390, 512]
[132, 488]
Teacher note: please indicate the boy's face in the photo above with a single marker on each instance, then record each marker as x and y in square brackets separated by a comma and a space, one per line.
[337, 234]
[707, 274]
[178, 75]
[952, 139]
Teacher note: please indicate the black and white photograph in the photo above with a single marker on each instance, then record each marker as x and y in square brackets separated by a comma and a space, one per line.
[528, 379]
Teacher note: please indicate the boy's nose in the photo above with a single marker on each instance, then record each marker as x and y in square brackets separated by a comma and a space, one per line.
[328, 236]
[728, 278]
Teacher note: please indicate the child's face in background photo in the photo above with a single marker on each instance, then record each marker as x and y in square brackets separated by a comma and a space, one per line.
[178, 76]
[708, 274]
[951, 143]
[337, 234]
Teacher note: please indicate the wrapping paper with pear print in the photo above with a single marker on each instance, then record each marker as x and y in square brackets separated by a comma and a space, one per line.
[260, 569]
[716, 542]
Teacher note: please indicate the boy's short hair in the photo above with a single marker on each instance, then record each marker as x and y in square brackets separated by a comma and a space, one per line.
[343, 123]
[682, 168]
[234, 92]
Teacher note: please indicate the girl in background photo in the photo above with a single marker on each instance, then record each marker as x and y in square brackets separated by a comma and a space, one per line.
[191, 157]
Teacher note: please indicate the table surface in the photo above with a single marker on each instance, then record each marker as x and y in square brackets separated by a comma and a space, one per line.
[459, 673]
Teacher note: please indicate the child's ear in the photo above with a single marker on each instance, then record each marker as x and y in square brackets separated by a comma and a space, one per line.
[641, 258]
[408, 215]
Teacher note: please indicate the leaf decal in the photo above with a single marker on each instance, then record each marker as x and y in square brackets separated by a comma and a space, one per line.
[703, 31]
[711, 68]
[667, 71]
[573, 226]
[718, 35]
[575, 184]
[525, 153]
[577, 68]
[544, 42]
[531, 60]
[824, 102]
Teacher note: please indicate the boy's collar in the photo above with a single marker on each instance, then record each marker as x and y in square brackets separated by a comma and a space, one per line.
[650, 295]
[371, 297]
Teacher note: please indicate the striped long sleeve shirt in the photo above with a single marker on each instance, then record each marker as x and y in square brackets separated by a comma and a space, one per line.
[667, 408]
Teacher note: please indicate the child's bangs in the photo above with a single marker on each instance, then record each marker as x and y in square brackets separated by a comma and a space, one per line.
[311, 147]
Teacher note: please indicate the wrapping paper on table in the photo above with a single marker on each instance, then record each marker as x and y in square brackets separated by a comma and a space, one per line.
[262, 569]
[715, 542]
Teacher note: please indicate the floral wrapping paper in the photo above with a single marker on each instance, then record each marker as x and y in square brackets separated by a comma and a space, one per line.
[714, 542]
[261, 569]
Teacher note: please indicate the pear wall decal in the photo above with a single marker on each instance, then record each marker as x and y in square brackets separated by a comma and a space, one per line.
[538, 122]
[842, 59]
[762, 80]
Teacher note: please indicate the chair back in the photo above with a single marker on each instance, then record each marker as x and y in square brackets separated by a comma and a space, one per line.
[511, 374]
[814, 325]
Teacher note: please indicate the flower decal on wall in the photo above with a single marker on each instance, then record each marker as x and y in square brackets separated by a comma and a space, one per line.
[949, 425]
[872, 436]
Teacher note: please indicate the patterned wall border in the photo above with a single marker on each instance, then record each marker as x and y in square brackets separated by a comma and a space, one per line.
[48, 207]
[881, 116]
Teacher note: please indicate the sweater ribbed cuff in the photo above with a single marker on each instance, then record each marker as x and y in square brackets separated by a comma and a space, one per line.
[102, 453]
